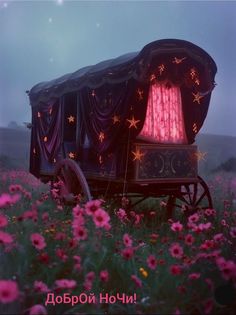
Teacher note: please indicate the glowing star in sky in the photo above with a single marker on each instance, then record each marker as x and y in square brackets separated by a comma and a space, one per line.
[137, 155]
[133, 122]
[60, 2]
[71, 119]
[197, 97]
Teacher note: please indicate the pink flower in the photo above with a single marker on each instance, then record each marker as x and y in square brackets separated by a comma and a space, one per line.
[7, 200]
[127, 240]
[40, 286]
[137, 281]
[194, 276]
[210, 212]
[208, 305]
[92, 206]
[90, 276]
[65, 284]
[219, 237]
[233, 232]
[80, 232]
[176, 226]
[77, 211]
[38, 241]
[176, 250]
[227, 268]
[9, 291]
[60, 253]
[127, 253]
[189, 239]
[3, 221]
[78, 220]
[152, 262]
[193, 218]
[104, 276]
[101, 218]
[38, 309]
[207, 244]
[5, 238]
[45, 216]
[121, 214]
[175, 270]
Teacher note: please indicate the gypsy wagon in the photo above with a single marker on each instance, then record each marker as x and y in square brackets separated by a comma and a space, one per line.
[126, 126]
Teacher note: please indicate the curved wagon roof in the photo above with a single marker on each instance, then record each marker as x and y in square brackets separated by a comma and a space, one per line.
[134, 65]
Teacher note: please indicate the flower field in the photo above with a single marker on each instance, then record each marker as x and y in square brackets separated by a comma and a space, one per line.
[99, 258]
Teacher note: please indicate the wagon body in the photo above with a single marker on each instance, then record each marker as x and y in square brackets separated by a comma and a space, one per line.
[128, 123]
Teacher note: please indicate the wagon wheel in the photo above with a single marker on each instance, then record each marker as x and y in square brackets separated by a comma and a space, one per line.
[192, 197]
[70, 183]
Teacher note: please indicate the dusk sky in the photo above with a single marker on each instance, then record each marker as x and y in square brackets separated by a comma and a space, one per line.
[42, 40]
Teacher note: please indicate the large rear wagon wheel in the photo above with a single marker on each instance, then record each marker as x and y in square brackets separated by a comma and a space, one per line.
[191, 198]
[70, 185]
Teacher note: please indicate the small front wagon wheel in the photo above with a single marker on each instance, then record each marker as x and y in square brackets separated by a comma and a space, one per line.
[69, 183]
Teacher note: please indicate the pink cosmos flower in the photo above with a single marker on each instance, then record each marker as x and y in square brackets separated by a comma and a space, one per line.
[77, 211]
[78, 220]
[233, 232]
[38, 309]
[219, 237]
[14, 188]
[38, 241]
[194, 276]
[127, 240]
[176, 226]
[7, 200]
[3, 221]
[101, 218]
[193, 218]
[175, 270]
[5, 238]
[65, 284]
[227, 268]
[152, 262]
[208, 305]
[104, 276]
[207, 244]
[122, 215]
[90, 276]
[60, 253]
[127, 253]
[40, 286]
[189, 239]
[137, 281]
[176, 250]
[210, 212]
[9, 291]
[80, 233]
[92, 206]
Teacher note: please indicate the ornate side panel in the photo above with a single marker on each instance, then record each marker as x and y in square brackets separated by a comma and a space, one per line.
[153, 162]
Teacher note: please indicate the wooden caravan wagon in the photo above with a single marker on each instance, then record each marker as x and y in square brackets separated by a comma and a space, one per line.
[126, 126]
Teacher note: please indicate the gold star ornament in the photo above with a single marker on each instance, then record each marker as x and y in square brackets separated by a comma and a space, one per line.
[197, 97]
[71, 119]
[71, 155]
[116, 119]
[178, 60]
[137, 155]
[200, 155]
[133, 122]
[101, 136]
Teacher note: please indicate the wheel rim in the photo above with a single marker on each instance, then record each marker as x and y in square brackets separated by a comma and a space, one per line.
[70, 183]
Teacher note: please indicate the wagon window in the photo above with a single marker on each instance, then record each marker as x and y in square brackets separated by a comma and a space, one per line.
[164, 121]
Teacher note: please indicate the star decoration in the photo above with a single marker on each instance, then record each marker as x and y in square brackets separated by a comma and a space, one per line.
[195, 128]
[71, 155]
[197, 97]
[71, 119]
[137, 155]
[197, 81]
[200, 155]
[100, 159]
[140, 94]
[178, 60]
[193, 73]
[39, 114]
[54, 160]
[34, 151]
[101, 136]
[161, 68]
[45, 139]
[152, 77]
[133, 122]
[116, 119]
[93, 93]
[50, 111]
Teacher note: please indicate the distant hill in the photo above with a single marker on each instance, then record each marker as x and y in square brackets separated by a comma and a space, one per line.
[15, 143]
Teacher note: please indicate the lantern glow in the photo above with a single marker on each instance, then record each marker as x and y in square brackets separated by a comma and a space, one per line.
[164, 121]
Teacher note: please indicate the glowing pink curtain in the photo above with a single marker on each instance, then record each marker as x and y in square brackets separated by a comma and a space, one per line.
[164, 121]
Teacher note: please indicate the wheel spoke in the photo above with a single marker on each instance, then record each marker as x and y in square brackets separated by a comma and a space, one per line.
[200, 199]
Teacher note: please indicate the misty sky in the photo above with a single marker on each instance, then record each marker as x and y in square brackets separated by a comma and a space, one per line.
[42, 40]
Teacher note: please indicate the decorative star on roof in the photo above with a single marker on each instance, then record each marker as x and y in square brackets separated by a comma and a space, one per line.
[50, 110]
[54, 160]
[71, 155]
[71, 119]
[39, 114]
[93, 93]
[101, 136]
[116, 119]
[152, 77]
[197, 81]
[161, 68]
[200, 155]
[197, 97]
[193, 73]
[178, 60]
[34, 150]
[137, 155]
[45, 139]
[140, 94]
[133, 122]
